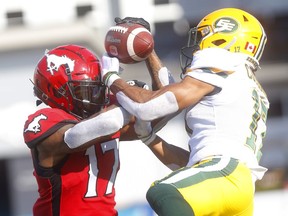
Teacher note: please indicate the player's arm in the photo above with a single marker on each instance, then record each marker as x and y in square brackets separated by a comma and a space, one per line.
[160, 75]
[91, 130]
[172, 156]
[77, 137]
[149, 105]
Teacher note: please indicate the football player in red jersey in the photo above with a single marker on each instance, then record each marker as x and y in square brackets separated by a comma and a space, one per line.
[75, 161]
[74, 141]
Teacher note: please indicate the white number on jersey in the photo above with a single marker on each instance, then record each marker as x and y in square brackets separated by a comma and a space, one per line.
[93, 169]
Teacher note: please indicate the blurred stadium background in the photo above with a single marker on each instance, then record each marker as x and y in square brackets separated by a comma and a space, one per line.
[28, 27]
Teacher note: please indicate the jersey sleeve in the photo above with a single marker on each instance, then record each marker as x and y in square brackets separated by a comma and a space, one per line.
[214, 65]
[208, 76]
[43, 123]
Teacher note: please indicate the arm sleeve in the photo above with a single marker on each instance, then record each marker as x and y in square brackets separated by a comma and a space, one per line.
[158, 107]
[101, 125]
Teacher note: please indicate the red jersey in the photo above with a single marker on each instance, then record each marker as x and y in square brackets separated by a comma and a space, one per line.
[83, 183]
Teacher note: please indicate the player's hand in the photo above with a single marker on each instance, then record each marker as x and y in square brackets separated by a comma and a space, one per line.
[110, 69]
[143, 129]
[135, 20]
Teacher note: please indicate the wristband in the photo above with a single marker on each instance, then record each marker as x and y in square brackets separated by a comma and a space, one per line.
[149, 139]
[110, 78]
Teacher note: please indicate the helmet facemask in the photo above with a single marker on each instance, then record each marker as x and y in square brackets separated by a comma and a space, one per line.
[186, 53]
[88, 97]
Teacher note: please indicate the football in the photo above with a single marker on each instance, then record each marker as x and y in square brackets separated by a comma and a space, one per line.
[129, 42]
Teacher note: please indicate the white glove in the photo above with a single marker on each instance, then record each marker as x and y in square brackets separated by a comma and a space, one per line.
[144, 131]
[110, 69]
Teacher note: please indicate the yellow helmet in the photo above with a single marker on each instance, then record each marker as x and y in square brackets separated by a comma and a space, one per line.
[230, 28]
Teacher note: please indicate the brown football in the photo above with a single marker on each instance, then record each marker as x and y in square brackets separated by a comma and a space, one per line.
[129, 42]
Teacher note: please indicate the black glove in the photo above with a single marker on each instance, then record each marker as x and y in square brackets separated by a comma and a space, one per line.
[134, 20]
[138, 83]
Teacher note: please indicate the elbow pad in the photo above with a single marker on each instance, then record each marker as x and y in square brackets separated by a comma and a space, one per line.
[101, 125]
[158, 107]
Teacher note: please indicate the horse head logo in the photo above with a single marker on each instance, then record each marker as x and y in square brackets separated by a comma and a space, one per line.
[54, 62]
[34, 125]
